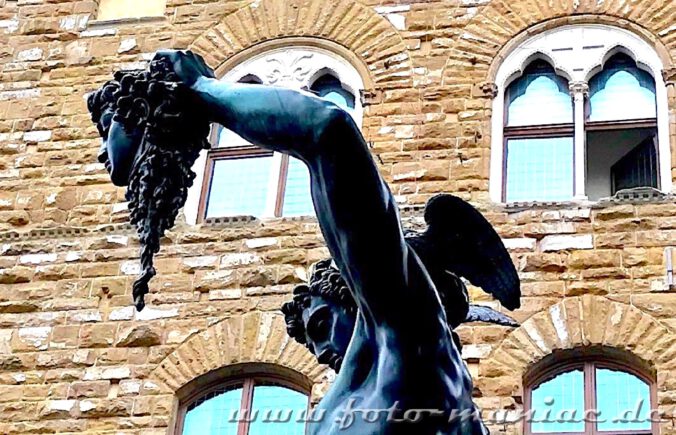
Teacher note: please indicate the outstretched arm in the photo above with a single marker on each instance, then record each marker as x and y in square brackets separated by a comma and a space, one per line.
[356, 211]
[276, 118]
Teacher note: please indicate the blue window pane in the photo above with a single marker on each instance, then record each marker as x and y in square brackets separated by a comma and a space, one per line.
[228, 138]
[623, 401]
[622, 91]
[297, 198]
[217, 415]
[278, 411]
[539, 169]
[558, 404]
[330, 88]
[239, 187]
[539, 97]
[340, 98]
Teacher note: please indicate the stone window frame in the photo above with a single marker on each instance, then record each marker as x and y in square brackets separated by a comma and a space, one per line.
[97, 22]
[295, 66]
[588, 360]
[547, 46]
[247, 381]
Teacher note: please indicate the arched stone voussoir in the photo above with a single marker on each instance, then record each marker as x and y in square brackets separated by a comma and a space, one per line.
[580, 322]
[256, 337]
[500, 26]
[348, 23]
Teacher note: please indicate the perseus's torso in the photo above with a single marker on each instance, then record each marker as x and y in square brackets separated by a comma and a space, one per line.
[393, 388]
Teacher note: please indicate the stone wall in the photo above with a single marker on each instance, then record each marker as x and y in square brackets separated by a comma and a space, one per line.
[75, 357]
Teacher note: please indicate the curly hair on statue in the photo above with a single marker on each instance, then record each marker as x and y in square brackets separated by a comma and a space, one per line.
[325, 281]
[173, 132]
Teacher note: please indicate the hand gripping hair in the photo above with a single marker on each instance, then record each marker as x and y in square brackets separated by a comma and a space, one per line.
[173, 131]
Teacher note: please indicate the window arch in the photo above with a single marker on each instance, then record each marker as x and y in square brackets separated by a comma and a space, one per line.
[329, 86]
[538, 143]
[615, 145]
[621, 90]
[267, 184]
[255, 403]
[539, 86]
[589, 393]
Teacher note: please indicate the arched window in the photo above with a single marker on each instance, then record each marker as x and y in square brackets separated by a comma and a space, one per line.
[329, 87]
[601, 129]
[621, 129]
[538, 143]
[257, 405]
[589, 396]
[621, 91]
[237, 178]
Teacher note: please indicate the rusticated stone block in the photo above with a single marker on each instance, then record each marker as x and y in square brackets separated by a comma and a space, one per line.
[659, 305]
[205, 281]
[566, 242]
[196, 263]
[31, 339]
[64, 336]
[58, 409]
[614, 240]
[97, 335]
[617, 212]
[139, 336]
[542, 262]
[18, 307]
[102, 408]
[88, 389]
[595, 258]
[15, 275]
[257, 277]
[420, 171]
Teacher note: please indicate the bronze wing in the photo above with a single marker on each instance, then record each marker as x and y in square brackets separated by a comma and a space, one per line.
[460, 240]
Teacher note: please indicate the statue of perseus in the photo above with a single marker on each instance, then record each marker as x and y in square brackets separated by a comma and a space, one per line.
[382, 309]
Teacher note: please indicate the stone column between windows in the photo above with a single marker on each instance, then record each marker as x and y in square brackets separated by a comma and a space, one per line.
[579, 91]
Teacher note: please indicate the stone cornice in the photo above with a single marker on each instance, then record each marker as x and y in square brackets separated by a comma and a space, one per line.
[408, 213]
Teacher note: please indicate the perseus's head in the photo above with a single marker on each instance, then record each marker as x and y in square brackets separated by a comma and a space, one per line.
[322, 314]
[152, 132]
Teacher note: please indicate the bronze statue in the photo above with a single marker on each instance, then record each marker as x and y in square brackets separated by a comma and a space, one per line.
[326, 306]
[402, 372]
[153, 131]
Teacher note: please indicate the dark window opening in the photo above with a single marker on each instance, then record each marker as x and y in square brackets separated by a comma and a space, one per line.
[621, 125]
[638, 168]
[621, 159]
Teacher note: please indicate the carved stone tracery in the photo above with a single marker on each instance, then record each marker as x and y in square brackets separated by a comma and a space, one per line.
[289, 68]
[297, 67]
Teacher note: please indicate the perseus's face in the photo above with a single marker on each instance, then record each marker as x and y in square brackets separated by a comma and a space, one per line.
[119, 149]
[328, 330]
